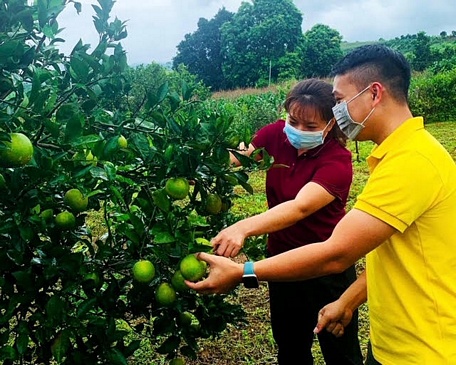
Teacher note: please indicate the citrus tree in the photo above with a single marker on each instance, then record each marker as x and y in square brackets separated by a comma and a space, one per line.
[160, 183]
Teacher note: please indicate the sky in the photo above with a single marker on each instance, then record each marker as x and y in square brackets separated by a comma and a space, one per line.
[156, 27]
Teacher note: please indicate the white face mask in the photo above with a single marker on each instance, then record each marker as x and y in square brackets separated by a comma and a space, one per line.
[344, 120]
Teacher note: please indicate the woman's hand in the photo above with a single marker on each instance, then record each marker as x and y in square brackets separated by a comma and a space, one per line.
[229, 241]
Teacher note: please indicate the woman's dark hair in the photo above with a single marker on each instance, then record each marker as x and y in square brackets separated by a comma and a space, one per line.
[316, 95]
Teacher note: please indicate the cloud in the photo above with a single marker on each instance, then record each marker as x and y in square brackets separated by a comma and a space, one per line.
[155, 27]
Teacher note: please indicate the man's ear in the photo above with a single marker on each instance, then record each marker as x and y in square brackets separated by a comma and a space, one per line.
[377, 90]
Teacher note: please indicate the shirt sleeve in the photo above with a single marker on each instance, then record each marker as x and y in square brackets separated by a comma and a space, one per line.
[262, 138]
[335, 175]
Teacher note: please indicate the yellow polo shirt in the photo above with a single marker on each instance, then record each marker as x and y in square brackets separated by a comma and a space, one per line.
[411, 278]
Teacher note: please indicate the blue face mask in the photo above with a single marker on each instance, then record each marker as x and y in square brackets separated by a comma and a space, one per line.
[303, 139]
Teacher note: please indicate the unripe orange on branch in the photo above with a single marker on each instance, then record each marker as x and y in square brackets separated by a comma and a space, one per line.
[143, 271]
[213, 204]
[178, 281]
[76, 200]
[18, 152]
[165, 295]
[65, 220]
[177, 187]
[122, 142]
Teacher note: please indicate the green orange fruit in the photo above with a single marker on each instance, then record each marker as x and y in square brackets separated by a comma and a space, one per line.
[185, 319]
[65, 220]
[143, 271]
[122, 142]
[213, 203]
[18, 152]
[178, 281]
[169, 153]
[93, 280]
[177, 187]
[177, 361]
[76, 200]
[191, 268]
[165, 294]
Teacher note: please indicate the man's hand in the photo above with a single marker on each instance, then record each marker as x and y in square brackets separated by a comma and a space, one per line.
[334, 317]
[229, 241]
[224, 275]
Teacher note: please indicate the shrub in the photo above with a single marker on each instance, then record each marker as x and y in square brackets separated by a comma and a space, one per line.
[434, 96]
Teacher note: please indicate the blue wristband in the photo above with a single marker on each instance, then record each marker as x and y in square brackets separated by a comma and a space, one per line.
[248, 268]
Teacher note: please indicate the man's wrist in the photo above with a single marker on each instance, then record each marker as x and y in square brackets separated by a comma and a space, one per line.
[249, 278]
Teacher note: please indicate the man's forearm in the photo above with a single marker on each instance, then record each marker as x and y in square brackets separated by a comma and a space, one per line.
[356, 293]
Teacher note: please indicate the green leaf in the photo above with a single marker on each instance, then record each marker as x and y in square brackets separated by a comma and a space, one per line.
[110, 170]
[79, 69]
[116, 357]
[8, 353]
[161, 200]
[189, 352]
[65, 113]
[117, 195]
[24, 278]
[60, 345]
[111, 147]
[86, 140]
[169, 345]
[73, 128]
[132, 235]
[52, 127]
[196, 220]
[85, 307]
[77, 6]
[136, 222]
[55, 308]
[22, 343]
[161, 234]
[141, 144]
[187, 92]
[132, 347]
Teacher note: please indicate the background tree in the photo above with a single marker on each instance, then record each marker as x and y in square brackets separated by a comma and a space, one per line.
[444, 56]
[143, 80]
[259, 34]
[422, 52]
[320, 51]
[200, 51]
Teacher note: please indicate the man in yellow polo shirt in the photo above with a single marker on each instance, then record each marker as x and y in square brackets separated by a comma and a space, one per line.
[404, 221]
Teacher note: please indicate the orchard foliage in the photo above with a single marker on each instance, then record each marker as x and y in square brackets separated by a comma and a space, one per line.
[68, 295]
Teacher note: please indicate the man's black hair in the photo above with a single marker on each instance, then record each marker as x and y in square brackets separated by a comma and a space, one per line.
[370, 63]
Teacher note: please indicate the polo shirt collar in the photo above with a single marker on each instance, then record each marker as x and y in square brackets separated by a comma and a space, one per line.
[397, 137]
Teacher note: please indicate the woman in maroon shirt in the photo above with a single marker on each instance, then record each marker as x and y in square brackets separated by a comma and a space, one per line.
[306, 194]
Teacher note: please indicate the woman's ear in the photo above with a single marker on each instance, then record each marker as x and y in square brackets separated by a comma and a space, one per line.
[330, 126]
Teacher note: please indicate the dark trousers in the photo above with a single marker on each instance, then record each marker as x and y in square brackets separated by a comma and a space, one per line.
[294, 312]
[370, 360]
